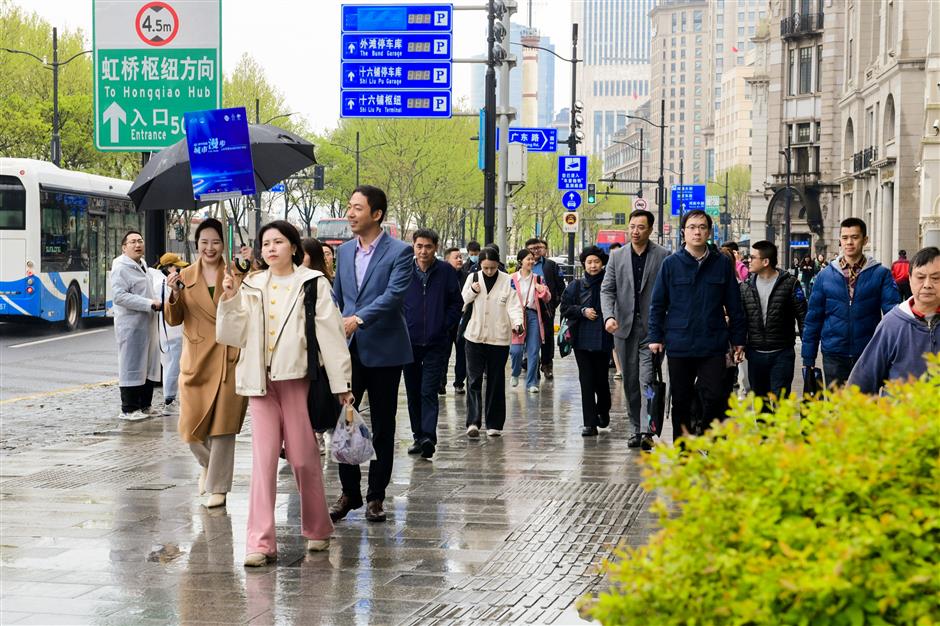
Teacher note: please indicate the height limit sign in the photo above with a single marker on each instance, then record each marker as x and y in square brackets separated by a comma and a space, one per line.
[154, 61]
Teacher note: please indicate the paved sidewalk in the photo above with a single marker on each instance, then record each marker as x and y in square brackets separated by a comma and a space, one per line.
[101, 522]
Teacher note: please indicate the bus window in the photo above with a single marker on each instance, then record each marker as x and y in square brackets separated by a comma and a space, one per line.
[64, 226]
[12, 204]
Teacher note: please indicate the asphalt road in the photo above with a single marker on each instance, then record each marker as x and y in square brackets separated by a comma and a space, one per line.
[40, 358]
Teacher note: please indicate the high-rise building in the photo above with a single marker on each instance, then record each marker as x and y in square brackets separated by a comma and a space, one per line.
[614, 78]
[546, 77]
[733, 124]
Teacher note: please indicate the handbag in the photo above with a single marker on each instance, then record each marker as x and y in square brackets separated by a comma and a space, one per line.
[467, 312]
[565, 338]
[322, 405]
[656, 399]
[812, 380]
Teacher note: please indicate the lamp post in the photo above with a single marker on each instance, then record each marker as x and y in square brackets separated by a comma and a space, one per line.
[727, 209]
[357, 152]
[661, 194]
[681, 173]
[786, 215]
[55, 146]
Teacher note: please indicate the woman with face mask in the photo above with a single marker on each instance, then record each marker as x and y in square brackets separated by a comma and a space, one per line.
[581, 305]
[211, 413]
[495, 317]
[266, 316]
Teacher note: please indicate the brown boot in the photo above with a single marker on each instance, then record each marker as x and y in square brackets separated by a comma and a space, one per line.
[343, 506]
[375, 512]
[548, 371]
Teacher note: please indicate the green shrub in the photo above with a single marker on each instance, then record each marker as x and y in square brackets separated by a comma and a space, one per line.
[832, 519]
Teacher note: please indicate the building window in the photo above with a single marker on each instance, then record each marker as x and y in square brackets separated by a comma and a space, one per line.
[791, 90]
[806, 70]
[697, 21]
[802, 133]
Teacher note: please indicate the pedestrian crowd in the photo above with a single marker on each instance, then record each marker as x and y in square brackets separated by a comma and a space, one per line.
[297, 329]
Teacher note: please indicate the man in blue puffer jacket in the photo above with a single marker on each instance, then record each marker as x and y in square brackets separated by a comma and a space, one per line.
[849, 297]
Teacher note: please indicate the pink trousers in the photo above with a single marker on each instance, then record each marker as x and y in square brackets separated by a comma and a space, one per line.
[281, 416]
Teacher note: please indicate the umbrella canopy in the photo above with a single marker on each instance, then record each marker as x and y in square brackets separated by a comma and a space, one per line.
[166, 182]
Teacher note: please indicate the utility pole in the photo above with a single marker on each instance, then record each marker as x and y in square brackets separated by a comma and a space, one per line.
[681, 210]
[572, 139]
[506, 114]
[786, 215]
[727, 219]
[639, 192]
[257, 196]
[661, 200]
[489, 154]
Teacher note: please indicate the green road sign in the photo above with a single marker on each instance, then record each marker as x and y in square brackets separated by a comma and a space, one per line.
[713, 205]
[154, 61]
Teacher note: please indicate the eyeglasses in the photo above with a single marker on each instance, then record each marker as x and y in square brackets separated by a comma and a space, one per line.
[132, 242]
[702, 227]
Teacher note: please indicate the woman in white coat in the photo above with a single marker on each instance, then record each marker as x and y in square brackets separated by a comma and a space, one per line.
[266, 318]
[135, 328]
[497, 314]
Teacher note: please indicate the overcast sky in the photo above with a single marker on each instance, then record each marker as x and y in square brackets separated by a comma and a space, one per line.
[297, 43]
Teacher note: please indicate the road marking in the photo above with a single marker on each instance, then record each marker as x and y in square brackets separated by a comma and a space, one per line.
[57, 392]
[68, 336]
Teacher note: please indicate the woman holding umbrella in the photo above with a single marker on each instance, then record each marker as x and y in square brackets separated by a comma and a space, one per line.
[211, 413]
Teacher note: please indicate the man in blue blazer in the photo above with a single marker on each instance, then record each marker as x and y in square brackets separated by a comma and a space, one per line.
[374, 271]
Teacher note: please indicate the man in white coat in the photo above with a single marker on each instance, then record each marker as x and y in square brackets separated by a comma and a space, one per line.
[135, 328]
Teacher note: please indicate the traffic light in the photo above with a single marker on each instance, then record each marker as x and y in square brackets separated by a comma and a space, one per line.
[318, 177]
[576, 135]
[592, 198]
[502, 10]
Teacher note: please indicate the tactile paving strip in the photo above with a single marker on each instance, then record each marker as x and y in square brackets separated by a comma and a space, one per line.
[74, 477]
[529, 578]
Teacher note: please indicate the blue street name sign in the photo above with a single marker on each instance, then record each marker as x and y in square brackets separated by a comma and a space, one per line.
[398, 18]
[392, 103]
[278, 188]
[396, 75]
[687, 198]
[571, 200]
[572, 172]
[397, 47]
[534, 139]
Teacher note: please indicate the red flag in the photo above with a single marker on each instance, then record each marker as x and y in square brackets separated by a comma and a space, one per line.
[734, 49]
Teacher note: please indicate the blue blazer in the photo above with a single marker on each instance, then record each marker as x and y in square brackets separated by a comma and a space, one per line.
[382, 339]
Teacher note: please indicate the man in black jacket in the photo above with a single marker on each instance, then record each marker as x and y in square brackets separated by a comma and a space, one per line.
[775, 305]
[551, 274]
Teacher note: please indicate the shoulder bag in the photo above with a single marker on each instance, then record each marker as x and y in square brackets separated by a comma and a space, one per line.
[322, 405]
[467, 311]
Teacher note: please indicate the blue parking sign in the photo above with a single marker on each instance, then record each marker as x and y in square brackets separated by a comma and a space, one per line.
[572, 172]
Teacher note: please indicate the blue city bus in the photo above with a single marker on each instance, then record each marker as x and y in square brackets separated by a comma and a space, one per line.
[59, 232]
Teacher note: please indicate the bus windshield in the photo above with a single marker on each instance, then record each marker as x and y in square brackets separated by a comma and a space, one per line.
[333, 229]
[12, 203]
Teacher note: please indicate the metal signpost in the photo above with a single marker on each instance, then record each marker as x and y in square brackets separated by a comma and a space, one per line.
[572, 173]
[534, 139]
[687, 198]
[396, 60]
[154, 61]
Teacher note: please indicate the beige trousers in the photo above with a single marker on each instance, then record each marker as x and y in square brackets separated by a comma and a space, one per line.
[217, 455]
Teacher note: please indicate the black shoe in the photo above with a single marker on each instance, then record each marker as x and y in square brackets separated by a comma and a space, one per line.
[548, 372]
[414, 448]
[375, 512]
[427, 449]
[342, 507]
[634, 441]
[589, 431]
[603, 421]
[459, 390]
[647, 443]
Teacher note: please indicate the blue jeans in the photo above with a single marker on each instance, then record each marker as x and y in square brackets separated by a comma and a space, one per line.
[771, 372]
[171, 367]
[532, 345]
[423, 377]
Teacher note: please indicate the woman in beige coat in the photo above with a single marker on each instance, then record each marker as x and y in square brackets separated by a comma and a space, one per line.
[211, 414]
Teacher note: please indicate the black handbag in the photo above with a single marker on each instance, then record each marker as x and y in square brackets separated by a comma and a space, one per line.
[467, 312]
[656, 399]
[322, 405]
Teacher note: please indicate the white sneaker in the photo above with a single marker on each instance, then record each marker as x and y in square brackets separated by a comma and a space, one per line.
[533, 389]
[134, 416]
[215, 500]
[258, 559]
[514, 381]
[493, 432]
[171, 408]
[318, 545]
[473, 431]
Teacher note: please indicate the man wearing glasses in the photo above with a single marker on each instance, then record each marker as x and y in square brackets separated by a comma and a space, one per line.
[551, 275]
[696, 291]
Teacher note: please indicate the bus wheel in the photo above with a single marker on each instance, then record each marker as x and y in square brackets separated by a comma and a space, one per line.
[73, 309]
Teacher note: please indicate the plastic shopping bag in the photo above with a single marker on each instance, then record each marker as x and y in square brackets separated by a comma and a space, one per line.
[352, 441]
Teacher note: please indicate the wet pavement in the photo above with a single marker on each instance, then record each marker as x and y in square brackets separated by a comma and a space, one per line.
[101, 523]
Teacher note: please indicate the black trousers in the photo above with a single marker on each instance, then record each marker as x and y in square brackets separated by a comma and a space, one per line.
[595, 386]
[382, 385]
[548, 345]
[709, 371]
[490, 360]
[137, 397]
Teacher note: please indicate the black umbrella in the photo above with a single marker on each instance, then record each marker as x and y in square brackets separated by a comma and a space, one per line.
[166, 182]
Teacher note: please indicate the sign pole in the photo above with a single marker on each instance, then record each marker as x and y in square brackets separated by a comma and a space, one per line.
[573, 145]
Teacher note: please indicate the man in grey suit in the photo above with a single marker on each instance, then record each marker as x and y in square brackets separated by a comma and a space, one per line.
[625, 303]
